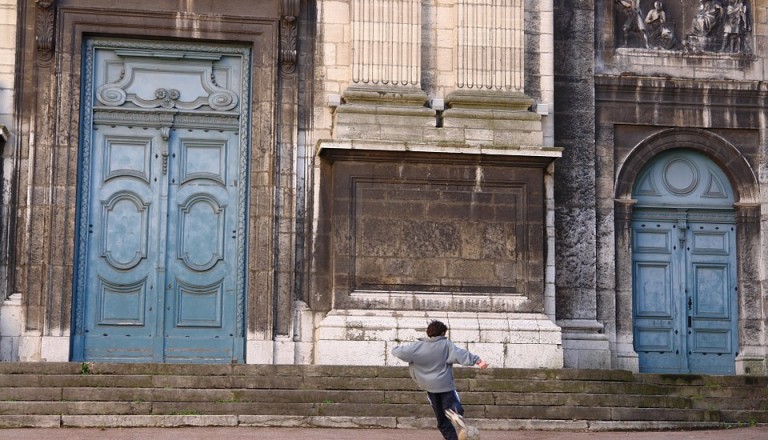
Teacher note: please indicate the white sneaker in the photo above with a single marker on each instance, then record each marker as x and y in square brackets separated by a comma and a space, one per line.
[458, 423]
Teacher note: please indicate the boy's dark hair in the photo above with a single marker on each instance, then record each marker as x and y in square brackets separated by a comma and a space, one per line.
[436, 328]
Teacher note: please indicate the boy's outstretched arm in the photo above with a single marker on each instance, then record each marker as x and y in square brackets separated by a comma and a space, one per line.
[482, 364]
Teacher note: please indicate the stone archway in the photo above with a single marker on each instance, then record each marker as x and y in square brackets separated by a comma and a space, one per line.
[747, 217]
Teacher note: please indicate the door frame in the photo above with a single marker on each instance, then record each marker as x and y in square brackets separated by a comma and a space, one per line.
[87, 118]
[743, 180]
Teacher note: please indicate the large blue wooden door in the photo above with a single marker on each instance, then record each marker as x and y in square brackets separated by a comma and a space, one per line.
[162, 211]
[684, 295]
[684, 267]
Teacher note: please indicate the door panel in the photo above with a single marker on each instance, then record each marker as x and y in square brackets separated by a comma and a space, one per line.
[165, 234]
[683, 222]
[202, 231]
[656, 311]
[684, 298]
[120, 260]
[713, 302]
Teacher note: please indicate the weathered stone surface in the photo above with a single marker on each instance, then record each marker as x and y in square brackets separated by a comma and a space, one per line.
[387, 249]
[345, 396]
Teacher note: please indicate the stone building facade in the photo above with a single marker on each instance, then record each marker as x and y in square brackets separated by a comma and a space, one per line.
[666, 169]
[566, 184]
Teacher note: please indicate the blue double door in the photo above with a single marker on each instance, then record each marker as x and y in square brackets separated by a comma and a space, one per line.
[161, 277]
[685, 292]
[161, 212]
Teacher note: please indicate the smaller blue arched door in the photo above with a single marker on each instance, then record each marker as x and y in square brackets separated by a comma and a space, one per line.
[685, 296]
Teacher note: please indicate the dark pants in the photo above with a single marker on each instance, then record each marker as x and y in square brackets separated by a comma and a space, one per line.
[440, 402]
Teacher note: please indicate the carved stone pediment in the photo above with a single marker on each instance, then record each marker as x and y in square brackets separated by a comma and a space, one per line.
[181, 81]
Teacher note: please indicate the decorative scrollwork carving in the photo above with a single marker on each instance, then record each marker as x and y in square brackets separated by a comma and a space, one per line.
[289, 35]
[135, 70]
[113, 96]
[167, 97]
[222, 101]
[44, 22]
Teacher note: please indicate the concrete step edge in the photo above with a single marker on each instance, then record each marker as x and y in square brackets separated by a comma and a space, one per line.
[134, 421]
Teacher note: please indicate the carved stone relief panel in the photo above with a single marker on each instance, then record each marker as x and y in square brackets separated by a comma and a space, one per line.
[436, 226]
[205, 82]
[718, 26]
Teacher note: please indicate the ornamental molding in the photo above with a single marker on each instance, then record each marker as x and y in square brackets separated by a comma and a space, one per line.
[195, 71]
[44, 29]
[289, 18]
[158, 119]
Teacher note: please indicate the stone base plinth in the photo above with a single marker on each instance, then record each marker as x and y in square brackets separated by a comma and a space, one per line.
[504, 340]
[584, 345]
[388, 113]
[752, 362]
[492, 118]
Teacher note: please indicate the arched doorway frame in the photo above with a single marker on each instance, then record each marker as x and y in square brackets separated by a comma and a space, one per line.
[747, 213]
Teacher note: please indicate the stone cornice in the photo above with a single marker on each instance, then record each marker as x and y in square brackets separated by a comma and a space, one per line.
[326, 145]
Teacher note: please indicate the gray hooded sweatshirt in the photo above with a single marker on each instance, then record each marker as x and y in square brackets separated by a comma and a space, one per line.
[430, 361]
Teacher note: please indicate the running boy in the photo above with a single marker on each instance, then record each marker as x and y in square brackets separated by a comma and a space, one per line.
[430, 361]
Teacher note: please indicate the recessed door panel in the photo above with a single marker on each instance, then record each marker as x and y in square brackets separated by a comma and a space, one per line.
[654, 292]
[122, 304]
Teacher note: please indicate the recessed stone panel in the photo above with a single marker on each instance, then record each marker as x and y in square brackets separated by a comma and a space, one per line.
[435, 225]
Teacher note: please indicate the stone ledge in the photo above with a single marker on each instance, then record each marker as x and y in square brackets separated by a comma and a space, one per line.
[277, 421]
[490, 100]
[319, 422]
[442, 148]
[155, 421]
[385, 95]
[30, 421]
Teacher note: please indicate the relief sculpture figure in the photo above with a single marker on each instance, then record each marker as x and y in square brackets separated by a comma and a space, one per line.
[735, 25]
[633, 22]
[707, 18]
[720, 26]
[660, 36]
[706, 27]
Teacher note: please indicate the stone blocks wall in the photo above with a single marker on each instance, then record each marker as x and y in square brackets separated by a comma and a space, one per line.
[364, 337]
[7, 60]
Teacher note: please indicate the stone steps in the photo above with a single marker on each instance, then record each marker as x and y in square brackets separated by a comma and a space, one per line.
[73, 394]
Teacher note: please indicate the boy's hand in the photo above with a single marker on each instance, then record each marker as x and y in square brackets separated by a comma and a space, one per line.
[482, 364]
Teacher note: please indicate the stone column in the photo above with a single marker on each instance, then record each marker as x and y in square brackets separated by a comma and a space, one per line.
[386, 42]
[489, 105]
[751, 358]
[385, 87]
[626, 357]
[490, 52]
[584, 341]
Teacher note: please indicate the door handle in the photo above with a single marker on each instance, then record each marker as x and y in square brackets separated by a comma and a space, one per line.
[689, 322]
[166, 134]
